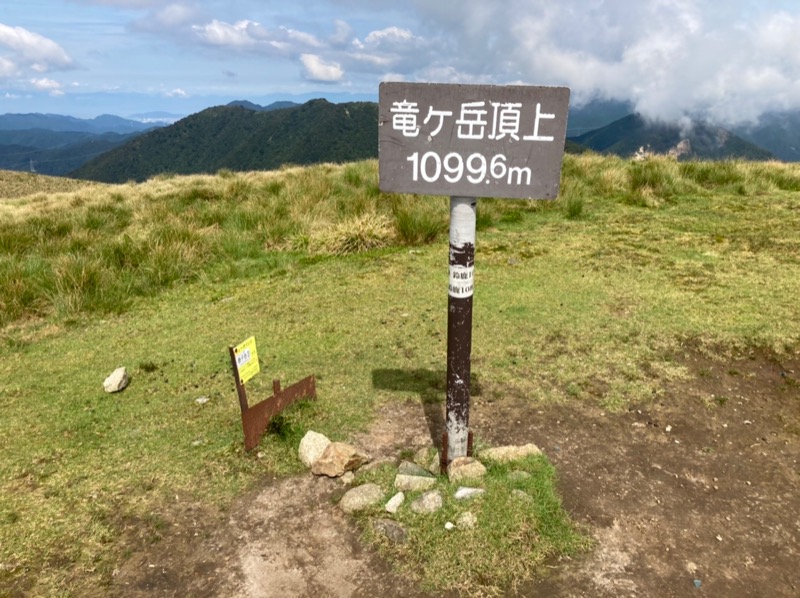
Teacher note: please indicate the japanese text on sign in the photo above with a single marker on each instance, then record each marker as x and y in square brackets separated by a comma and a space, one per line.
[472, 140]
[246, 359]
[472, 122]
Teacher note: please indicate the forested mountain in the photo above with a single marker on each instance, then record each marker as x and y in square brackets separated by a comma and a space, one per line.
[54, 144]
[105, 123]
[626, 136]
[240, 139]
[779, 132]
[54, 153]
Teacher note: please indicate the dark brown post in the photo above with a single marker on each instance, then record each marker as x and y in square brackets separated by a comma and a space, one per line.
[459, 324]
[240, 390]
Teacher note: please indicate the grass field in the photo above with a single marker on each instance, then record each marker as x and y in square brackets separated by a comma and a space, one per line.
[582, 299]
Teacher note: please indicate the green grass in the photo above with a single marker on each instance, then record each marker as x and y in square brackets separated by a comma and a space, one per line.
[513, 537]
[162, 277]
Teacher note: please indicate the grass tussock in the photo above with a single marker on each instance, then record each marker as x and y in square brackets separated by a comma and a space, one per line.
[97, 248]
[519, 524]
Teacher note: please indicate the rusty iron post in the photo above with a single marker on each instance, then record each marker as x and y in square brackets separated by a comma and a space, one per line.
[256, 418]
[459, 325]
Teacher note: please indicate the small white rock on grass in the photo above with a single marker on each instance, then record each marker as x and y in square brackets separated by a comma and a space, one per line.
[395, 502]
[117, 381]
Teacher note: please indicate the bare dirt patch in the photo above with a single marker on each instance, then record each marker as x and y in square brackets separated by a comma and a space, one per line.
[698, 492]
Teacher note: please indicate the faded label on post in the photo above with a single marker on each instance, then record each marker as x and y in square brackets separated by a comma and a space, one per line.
[462, 283]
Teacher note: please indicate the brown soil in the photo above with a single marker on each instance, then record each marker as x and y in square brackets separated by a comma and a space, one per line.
[701, 488]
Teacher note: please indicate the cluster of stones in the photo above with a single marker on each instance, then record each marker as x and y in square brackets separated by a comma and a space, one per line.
[336, 459]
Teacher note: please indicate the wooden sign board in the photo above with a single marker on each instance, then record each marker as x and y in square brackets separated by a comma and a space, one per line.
[472, 140]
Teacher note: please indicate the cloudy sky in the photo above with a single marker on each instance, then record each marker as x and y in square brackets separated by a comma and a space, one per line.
[725, 61]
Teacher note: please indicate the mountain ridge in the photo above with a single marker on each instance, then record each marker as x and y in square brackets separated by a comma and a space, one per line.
[632, 134]
[239, 138]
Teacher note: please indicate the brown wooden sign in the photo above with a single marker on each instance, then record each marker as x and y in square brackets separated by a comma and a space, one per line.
[472, 140]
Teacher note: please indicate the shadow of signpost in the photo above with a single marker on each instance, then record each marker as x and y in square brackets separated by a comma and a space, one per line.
[430, 385]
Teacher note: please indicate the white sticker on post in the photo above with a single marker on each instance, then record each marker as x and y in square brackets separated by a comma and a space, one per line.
[462, 281]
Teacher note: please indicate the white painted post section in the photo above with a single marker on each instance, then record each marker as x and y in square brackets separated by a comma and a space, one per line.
[459, 323]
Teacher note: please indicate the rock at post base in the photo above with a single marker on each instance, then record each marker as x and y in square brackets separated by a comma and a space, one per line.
[465, 493]
[413, 483]
[465, 468]
[412, 478]
[394, 503]
[337, 458]
[117, 381]
[391, 530]
[311, 447]
[428, 459]
[430, 502]
[361, 497]
[507, 454]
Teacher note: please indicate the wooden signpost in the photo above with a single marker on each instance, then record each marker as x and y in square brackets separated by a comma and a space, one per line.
[469, 141]
[255, 419]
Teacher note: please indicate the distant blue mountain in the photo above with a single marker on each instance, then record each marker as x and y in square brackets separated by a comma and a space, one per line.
[595, 115]
[55, 144]
[105, 123]
[779, 132]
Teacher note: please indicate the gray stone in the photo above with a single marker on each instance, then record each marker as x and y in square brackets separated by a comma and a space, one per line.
[465, 468]
[430, 502]
[312, 446]
[394, 503]
[428, 459]
[361, 497]
[409, 468]
[117, 381]
[391, 530]
[467, 520]
[378, 463]
[337, 458]
[507, 454]
[348, 478]
[413, 483]
[465, 493]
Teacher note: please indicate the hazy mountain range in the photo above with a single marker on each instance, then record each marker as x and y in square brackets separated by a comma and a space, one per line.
[245, 136]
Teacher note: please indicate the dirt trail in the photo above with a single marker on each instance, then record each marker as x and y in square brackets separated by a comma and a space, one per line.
[696, 494]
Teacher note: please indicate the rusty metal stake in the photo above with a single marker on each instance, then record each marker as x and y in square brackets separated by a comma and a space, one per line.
[255, 419]
[443, 461]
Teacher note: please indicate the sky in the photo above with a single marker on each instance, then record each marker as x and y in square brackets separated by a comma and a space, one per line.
[722, 61]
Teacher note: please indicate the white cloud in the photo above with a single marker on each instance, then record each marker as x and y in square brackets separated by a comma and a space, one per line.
[54, 88]
[251, 36]
[317, 69]
[7, 68]
[670, 57]
[728, 61]
[301, 38]
[31, 50]
[342, 34]
[177, 93]
[238, 35]
[390, 35]
[171, 19]
[392, 48]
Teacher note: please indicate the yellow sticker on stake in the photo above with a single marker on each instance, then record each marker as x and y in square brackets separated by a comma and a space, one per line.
[246, 359]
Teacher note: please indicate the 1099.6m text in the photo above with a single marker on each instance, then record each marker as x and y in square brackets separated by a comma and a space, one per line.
[476, 168]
